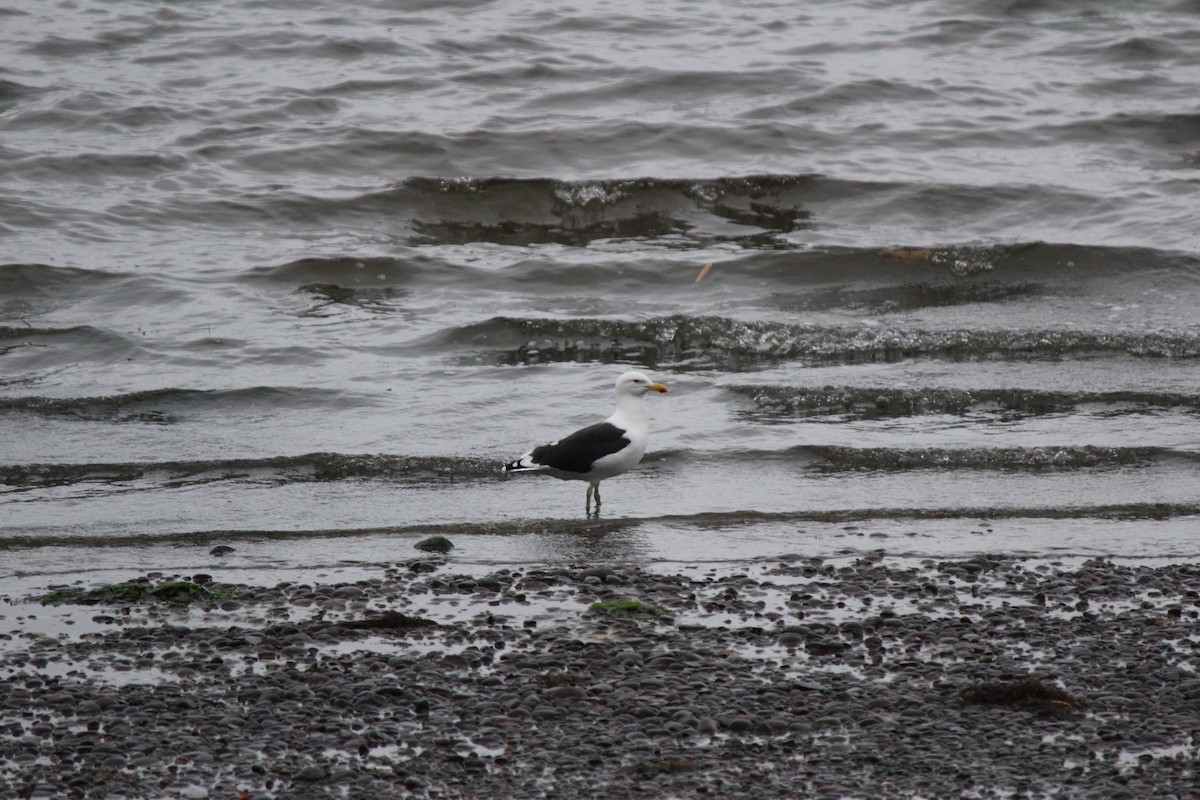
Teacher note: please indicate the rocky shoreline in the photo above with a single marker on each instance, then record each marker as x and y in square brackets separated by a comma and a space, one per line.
[794, 677]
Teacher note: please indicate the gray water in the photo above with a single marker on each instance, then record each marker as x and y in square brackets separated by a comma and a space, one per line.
[298, 280]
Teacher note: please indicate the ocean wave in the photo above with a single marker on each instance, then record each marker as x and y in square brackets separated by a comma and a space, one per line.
[164, 406]
[836, 99]
[578, 212]
[20, 278]
[445, 470]
[726, 342]
[880, 280]
[777, 402]
[18, 214]
[277, 469]
[833, 459]
[76, 340]
[752, 212]
[905, 297]
[1178, 132]
[98, 167]
[1008, 459]
[11, 90]
[364, 273]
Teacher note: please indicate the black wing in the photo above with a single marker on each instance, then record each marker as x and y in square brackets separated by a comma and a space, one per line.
[581, 449]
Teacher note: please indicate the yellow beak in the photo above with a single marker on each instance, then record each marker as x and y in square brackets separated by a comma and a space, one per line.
[657, 387]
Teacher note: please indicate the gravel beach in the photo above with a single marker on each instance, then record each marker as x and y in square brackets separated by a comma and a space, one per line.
[792, 677]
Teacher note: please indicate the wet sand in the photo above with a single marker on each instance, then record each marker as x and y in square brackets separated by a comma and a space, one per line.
[788, 677]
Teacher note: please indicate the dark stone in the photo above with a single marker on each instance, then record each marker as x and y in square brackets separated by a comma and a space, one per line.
[435, 544]
[311, 773]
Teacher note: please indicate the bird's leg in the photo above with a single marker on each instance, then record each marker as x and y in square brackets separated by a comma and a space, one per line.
[596, 494]
[587, 506]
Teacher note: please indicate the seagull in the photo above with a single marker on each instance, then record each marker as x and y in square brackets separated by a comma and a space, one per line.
[602, 450]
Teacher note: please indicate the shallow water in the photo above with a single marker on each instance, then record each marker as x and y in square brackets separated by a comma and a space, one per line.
[301, 282]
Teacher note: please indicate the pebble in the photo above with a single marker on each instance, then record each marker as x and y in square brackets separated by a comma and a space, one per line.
[820, 680]
[311, 773]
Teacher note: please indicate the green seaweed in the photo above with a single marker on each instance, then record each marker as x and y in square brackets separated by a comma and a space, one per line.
[625, 608]
[135, 591]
